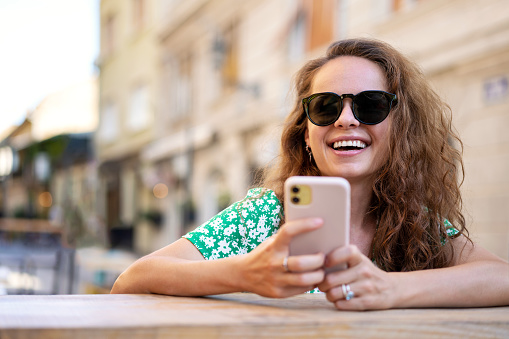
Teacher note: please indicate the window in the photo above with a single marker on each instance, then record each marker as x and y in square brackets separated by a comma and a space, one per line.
[181, 85]
[230, 66]
[225, 54]
[108, 130]
[314, 25]
[321, 22]
[139, 116]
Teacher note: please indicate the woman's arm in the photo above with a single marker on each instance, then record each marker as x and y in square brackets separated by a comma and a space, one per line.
[477, 278]
[180, 269]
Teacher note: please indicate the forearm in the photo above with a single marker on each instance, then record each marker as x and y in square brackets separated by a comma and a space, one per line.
[474, 284]
[173, 276]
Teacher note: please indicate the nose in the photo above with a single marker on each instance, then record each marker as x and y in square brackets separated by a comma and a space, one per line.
[346, 118]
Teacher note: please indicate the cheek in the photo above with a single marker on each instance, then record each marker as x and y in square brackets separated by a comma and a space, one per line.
[314, 134]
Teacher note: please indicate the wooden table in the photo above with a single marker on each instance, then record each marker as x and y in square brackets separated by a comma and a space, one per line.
[233, 315]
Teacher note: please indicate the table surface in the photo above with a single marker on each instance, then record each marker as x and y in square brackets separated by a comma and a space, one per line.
[233, 315]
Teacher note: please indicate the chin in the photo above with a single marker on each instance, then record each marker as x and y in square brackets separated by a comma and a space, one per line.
[351, 176]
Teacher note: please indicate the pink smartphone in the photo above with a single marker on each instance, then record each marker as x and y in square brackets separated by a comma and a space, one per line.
[324, 197]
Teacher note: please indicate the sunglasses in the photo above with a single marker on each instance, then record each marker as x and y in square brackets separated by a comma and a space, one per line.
[369, 107]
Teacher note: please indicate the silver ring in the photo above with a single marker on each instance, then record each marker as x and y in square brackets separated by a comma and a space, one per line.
[347, 293]
[285, 264]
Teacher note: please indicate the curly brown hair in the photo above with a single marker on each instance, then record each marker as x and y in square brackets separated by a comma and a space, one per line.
[417, 189]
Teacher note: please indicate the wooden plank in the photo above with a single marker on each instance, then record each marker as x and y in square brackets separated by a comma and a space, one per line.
[233, 315]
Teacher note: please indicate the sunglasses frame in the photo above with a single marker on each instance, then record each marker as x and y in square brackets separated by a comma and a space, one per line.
[305, 102]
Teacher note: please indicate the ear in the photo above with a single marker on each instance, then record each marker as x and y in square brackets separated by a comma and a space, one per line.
[306, 136]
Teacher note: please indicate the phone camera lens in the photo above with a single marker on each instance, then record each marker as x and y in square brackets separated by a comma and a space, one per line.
[295, 189]
[295, 200]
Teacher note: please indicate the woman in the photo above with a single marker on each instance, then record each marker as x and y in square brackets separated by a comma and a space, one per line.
[365, 113]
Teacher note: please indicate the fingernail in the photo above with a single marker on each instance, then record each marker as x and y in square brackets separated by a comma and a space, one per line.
[317, 221]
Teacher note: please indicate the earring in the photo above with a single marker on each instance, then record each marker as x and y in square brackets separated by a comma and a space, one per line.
[308, 149]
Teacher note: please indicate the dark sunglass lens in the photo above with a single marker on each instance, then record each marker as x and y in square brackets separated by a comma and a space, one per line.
[372, 107]
[323, 109]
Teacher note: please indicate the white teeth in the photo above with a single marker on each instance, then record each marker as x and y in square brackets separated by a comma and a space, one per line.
[349, 143]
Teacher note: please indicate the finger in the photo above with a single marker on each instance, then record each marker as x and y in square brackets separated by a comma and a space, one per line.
[359, 302]
[306, 279]
[304, 263]
[349, 255]
[336, 293]
[334, 279]
[295, 227]
[362, 271]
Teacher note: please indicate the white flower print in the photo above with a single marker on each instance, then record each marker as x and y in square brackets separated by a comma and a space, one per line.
[252, 233]
[224, 246]
[242, 230]
[262, 237]
[201, 229]
[232, 215]
[250, 224]
[245, 242]
[229, 230]
[209, 241]
[216, 224]
[261, 221]
[215, 254]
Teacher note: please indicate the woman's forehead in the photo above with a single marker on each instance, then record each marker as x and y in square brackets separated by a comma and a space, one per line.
[349, 74]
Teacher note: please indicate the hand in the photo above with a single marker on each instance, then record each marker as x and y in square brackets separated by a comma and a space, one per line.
[372, 287]
[263, 271]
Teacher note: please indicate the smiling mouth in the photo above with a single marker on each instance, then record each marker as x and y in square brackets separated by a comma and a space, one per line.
[349, 145]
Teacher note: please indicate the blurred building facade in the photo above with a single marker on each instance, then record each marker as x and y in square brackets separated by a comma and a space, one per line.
[193, 94]
[48, 193]
[129, 82]
[52, 168]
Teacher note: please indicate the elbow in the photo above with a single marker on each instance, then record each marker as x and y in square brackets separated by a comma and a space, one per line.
[119, 286]
[129, 282]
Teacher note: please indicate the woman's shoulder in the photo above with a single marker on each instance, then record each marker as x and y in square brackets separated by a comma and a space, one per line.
[261, 201]
[262, 193]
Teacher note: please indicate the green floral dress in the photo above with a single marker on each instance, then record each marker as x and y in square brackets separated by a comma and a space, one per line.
[241, 227]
